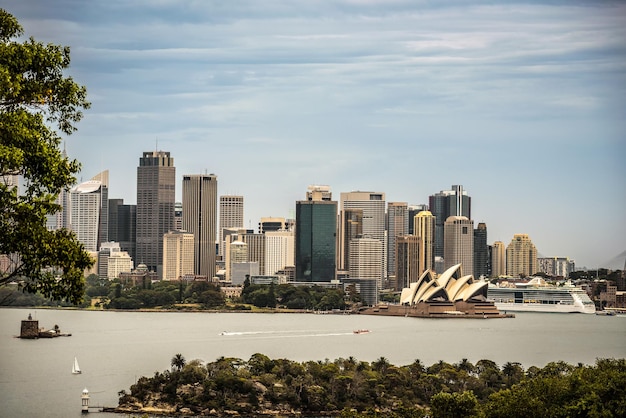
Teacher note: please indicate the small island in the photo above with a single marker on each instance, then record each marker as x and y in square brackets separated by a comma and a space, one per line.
[348, 387]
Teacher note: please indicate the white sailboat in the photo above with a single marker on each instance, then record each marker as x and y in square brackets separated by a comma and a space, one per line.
[75, 367]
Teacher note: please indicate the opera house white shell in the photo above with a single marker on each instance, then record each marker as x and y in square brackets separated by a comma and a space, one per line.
[450, 286]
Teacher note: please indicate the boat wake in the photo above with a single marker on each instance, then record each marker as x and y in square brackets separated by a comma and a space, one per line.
[282, 334]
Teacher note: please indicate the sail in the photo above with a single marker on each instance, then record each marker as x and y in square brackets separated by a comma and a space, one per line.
[75, 367]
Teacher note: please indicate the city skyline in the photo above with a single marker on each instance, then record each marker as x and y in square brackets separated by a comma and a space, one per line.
[521, 103]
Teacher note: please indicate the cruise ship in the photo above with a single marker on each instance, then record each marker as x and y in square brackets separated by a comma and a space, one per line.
[538, 296]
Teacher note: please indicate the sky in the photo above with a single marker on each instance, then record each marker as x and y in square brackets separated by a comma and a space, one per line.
[522, 103]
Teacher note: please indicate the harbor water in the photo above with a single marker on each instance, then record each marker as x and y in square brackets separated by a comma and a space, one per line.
[116, 348]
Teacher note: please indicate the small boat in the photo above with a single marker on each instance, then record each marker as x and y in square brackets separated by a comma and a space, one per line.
[361, 331]
[75, 367]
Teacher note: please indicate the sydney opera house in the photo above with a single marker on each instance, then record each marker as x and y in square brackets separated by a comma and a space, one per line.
[448, 294]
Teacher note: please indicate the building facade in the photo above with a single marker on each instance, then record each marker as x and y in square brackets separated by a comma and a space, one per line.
[521, 256]
[397, 226]
[315, 240]
[178, 255]
[446, 203]
[366, 259]
[85, 208]
[231, 216]
[498, 259]
[156, 184]
[408, 268]
[459, 243]
[199, 219]
[350, 227]
[123, 225]
[482, 262]
[424, 229]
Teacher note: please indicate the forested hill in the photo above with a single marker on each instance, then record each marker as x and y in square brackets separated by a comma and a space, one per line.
[352, 388]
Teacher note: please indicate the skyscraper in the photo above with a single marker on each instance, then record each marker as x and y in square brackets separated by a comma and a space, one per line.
[156, 182]
[408, 269]
[444, 204]
[103, 232]
[350, 227]
[373, 206]
[481, 252]
[279, 251]
[85, 208]
[424, 229]
[397, 225]
[366, 259]
[123, 225]
[521, 256]
[178, 255]
[498, 259]
[459, 243]
[414, 210]
[315, 242]
[231, 216]
[200, 218]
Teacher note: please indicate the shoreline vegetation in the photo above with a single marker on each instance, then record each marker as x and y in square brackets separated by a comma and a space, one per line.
[351, 388]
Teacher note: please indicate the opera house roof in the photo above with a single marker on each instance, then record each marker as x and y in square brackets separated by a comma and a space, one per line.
[450, 286]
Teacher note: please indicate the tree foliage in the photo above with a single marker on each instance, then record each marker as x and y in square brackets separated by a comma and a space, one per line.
[351, 388]
[35, 97]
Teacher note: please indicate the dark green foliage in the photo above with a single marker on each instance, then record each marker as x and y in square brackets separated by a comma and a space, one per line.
[351, 388]
[293, 297]
[34, 94]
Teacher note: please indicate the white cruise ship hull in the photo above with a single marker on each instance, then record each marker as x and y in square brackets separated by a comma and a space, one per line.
[539, 307]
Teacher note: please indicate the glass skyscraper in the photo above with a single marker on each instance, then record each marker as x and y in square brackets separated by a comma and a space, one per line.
[316, 225]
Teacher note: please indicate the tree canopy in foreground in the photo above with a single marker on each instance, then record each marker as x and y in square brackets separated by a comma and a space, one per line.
[35, 100]
[352, 388]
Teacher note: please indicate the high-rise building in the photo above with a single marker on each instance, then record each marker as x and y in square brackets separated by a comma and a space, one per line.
[408, 268]
[556, 266]
[156, 183]
[112, 261]
[319, 192]
[85, 208]
[481, 252]
[256, 249]
[459, 243]
[178, 216]
[279, 251]
[123, 225]
[498, 259]
[237, 254]
[373, 206]
[231, 216]
[366, 259]
[424, 229]
[103, 178]
[315, 241]
[414, 210]
[178, 255]
[200, 218]
[444, 204]
[397, 225]
[350, 227]
[521, 256]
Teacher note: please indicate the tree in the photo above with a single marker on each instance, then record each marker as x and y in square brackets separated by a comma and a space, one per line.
[34, 94]
[178, 362]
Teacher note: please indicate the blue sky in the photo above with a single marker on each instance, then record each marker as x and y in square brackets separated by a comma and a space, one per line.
[523, 103]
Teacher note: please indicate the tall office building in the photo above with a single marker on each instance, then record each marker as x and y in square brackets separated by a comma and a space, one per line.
[397, 225]
[315, 241]
[373, 206]
[319, 192]
[237, 254]
[444, 204]
[521, 256]
[408, 268]
[85, 208]
[350, 227]
[414, 210]
[498, 259]
[256, 249]
[123, 225]
[103, 178]
[156, 183]
[366, 259]
[424, 229]
[178, 255]
[459, 243]
[231, 216]
[556, 266]
[279, 251]
[112, 261]
[178, 216]
[481, 252]
[200, 218]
